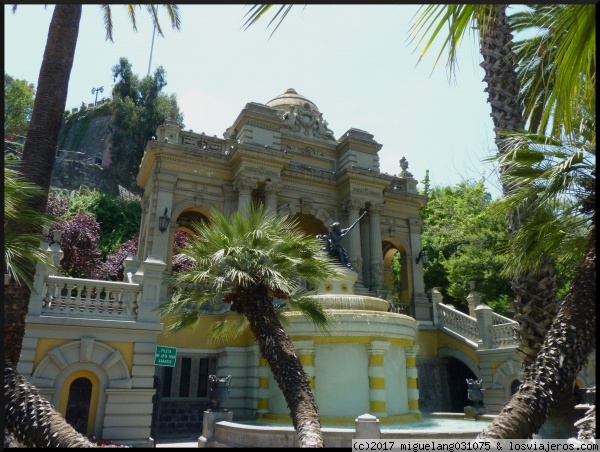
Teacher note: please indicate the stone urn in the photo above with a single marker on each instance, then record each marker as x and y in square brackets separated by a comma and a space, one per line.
[218, 391]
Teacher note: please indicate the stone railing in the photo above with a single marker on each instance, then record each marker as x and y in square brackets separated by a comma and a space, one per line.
[503, 331]
[458, 322]
[87, 298]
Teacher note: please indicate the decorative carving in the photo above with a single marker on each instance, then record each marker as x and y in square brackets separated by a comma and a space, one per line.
[244, 185]
[309, 121]
[377, 208]
[273, 188]
[353, 204]
[307, 206]
[404, 166]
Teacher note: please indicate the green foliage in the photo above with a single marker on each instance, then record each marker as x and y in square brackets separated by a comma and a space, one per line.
[397, 278]
[19, 96]
[502, 306]
[462, 237]
[22, 225]
[119, 219]
[140, 107]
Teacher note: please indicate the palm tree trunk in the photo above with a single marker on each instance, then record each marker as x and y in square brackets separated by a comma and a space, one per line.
[564, 352]
[31, 419]
[277, 349]
[535, 292]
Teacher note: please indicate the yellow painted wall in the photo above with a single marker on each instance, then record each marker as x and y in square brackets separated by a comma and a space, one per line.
[64, 396]
[126, 349]
[428, 343]
[198, 335]
[44, 346]
[444, 340]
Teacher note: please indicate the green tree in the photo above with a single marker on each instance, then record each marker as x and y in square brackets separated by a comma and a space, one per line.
[397, 278]
[18, 105]
[462, 235]
[139, 107]
[247, 260]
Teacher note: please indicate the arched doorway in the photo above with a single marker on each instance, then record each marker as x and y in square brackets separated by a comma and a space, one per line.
[78, 404]
[458, 374]
[395, 254]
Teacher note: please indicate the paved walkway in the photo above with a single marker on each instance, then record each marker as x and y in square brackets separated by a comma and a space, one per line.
[175, 443]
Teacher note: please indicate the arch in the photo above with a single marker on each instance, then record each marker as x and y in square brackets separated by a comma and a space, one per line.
[98, 359]
[390, 247]
[505, 374]
[447, 352]
[79, 402]
[193, 204]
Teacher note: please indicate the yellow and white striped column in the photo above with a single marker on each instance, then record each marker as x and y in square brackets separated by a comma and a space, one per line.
[377, 406]
[306, 354]
[264, 371]
[411, 378]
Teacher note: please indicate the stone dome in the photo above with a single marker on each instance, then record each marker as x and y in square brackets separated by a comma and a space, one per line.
[291, 98]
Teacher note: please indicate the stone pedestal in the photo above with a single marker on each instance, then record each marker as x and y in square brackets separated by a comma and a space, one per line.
[367, 427]
[209, 418]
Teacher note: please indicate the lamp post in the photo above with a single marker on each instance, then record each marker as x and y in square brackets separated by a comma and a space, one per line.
[423, 257]
[97, 90]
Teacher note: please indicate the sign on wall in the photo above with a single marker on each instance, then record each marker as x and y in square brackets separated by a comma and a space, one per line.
[165, 356]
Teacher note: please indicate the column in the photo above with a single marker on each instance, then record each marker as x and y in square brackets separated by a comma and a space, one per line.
[306, 354]
[263, 386]
[473, 299]
[353, 206]
[377, 406]
[485, 321]
[411, 378]
[244, 187]
[421, 305]
[158, 245]
[272, 190]
[375, 211]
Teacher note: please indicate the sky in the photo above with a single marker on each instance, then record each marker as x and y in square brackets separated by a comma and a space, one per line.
[357, 63]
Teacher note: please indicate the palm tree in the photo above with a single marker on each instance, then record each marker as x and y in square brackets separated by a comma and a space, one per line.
[547, 71]
[247, 260]
[562, 177]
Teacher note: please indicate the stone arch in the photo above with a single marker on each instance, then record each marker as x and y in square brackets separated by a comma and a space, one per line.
[505, 374]
[86, 354]
[391, 246]
[289, 209]
[447, 352]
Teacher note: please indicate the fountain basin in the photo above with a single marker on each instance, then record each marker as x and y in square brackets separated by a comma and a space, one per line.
[262, 434]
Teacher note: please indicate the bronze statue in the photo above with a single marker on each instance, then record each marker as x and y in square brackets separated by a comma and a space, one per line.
[332, 242]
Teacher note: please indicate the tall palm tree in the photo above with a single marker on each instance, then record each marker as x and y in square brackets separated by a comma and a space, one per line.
[562, 177]
[247, 260]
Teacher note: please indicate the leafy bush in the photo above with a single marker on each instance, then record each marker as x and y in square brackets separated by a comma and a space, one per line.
[113, 268]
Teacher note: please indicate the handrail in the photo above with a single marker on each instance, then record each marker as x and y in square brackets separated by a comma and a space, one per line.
[458, 322]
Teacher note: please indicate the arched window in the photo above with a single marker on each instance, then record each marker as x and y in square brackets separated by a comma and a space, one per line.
[78, 405]
[514, 386]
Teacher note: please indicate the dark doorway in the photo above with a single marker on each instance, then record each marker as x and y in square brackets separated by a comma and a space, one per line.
[78, 405]
[458, 374]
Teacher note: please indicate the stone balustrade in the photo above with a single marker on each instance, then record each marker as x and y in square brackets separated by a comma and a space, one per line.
[75, 297]
[458, 322]
[503, 331]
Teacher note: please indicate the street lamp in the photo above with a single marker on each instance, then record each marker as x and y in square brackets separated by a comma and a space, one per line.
[97, 90]
[163, 221]
[423, 257]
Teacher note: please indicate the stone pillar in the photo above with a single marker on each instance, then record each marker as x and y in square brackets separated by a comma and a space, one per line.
[306, 354]
[131, 265]
[152, 269]
[161, 200]
[263, 386]
[375, 211]
[377, 406]
[367, 427]
[272, 191]
[244, 187]
[473, 299]
[484, 315]
[411, 378]
[422, 307]
[436, 299]
[36, 299]
[353, 206]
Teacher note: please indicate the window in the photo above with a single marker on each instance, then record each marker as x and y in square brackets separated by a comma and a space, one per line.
[189, 377]
[78, 405]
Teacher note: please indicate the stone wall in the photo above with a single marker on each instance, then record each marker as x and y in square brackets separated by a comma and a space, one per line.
[180, 417]
[71, 174]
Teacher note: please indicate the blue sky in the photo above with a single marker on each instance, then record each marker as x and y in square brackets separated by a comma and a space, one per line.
[355, 62]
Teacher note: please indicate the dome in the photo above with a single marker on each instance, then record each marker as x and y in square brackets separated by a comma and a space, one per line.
[291, 98]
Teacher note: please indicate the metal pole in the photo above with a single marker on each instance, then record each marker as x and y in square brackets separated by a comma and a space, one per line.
[151, 49]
